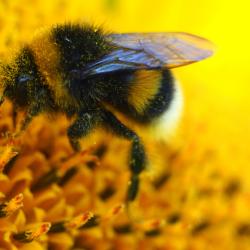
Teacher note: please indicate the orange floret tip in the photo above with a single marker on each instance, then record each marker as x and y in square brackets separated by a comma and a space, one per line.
[32, 234]
[6, 155]
[11, 206]
[78, 221]
[151, 224]
[114, 211]
[77, 159]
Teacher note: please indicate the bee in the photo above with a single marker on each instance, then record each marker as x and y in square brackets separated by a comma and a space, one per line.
[85, 73]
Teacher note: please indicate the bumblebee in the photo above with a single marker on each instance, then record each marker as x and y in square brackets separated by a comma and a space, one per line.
[85, 73]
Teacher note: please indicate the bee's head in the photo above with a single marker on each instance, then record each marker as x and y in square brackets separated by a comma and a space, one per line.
[18, 78]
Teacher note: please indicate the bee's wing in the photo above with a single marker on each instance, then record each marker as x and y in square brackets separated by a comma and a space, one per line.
[134, 51]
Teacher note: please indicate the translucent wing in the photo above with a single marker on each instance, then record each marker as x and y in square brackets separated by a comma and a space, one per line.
[134, 51]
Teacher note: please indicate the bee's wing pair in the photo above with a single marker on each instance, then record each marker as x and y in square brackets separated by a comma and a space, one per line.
[134, 51]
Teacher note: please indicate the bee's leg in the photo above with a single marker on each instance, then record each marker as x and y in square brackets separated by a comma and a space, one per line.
[138, 156]
[33, 111]
[82, 126]
[1, 100]
[40, 103]
[14, 117]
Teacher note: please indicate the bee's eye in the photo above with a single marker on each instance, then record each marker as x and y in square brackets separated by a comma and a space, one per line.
[24, 78]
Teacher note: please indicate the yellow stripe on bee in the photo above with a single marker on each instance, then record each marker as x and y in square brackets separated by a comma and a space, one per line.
[47, 58]
[144, 88]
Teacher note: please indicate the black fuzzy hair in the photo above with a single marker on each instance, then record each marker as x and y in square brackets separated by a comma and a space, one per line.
[79, 44]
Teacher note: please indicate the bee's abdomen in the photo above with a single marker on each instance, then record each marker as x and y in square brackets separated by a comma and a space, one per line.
[149, 94]
[160, 99]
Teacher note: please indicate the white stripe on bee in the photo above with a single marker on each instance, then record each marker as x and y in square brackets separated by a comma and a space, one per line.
[165, 126]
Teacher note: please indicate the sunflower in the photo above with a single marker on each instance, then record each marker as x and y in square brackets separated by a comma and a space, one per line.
[195, 193]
